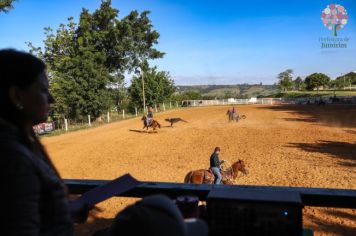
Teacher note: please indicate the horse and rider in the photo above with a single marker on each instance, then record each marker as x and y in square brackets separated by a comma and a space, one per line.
[215, 174]
[215, 165]
[233, 115]
[148, 120]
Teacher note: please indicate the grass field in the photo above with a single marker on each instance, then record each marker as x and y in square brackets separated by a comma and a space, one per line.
[338, 93]
[281, 145]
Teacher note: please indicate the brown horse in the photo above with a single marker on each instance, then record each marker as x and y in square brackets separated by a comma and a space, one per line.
[235, 116]
[154, 124]
[207, 177]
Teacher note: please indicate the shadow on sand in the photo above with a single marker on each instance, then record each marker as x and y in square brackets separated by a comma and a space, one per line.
[143, 131]
[330, 115]
[333, 228]
[344, 152]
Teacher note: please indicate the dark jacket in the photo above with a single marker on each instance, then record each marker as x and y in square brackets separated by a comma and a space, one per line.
[214, 160]
[33, 199]
[150, 114]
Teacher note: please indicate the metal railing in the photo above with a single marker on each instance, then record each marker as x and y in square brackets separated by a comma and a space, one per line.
[317, 197]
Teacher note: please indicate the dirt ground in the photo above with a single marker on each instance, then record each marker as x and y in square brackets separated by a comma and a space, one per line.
[282, 145]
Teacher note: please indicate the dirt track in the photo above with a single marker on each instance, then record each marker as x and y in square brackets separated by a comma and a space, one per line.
[281, 145]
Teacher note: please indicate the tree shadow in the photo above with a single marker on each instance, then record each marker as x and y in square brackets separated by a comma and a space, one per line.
[331, 115]
[310, 120]
[344, 152]
[143, 131]
[330, 227]
[350, 131]
[341, 214]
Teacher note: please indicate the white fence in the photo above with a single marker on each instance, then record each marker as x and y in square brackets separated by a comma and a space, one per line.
[263, 101]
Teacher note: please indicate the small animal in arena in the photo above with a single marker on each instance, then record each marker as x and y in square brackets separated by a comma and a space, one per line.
[175, 120]
[154, 124]
[203, 176]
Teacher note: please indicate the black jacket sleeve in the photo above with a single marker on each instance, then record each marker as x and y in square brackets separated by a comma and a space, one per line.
[21, 194]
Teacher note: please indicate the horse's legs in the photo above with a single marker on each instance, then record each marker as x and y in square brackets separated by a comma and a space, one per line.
[187, 178]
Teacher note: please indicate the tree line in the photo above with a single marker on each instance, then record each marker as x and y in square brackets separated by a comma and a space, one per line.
[314, 81]
[87, 62]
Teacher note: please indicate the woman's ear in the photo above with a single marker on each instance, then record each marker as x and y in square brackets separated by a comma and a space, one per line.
[15, 95]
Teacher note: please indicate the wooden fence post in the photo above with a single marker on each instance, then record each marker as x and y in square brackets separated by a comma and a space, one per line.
[108, 116]
[164, 107]
[66, 124]
[136, 110]
[123, 114]
[89, 121]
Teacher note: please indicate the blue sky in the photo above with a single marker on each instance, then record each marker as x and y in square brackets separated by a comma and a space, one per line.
[212, 42]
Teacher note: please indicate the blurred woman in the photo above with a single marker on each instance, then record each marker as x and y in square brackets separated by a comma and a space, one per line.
[33, 193]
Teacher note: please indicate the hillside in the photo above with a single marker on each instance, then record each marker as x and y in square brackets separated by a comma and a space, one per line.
[227, 91]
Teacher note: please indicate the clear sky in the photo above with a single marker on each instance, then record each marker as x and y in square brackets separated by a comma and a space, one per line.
[212, 41]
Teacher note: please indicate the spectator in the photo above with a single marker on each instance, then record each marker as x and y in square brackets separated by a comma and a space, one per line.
[154, 216]
[34, 201]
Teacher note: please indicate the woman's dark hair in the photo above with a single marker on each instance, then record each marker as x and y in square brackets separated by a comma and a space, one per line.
[217, 149]
[19, 69]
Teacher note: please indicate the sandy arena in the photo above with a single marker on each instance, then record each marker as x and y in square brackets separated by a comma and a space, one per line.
[305, 146]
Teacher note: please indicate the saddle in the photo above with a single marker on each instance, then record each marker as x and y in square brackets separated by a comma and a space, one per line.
[208, 177]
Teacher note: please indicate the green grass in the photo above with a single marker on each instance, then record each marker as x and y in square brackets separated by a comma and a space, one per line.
[296, 94]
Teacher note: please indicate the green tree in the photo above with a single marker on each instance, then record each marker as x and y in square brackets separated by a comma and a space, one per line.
[86, 60]
[345, 80]
[285, 82]
[316, 80]
[336, 84]
[6, 5]
[187, 95]
[299, 83]
[158, 87]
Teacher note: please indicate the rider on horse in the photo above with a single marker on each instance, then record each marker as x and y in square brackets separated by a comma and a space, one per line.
[234, 112]
[149, 116]
[215, 165]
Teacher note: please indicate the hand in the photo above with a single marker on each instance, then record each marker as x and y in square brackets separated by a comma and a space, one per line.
[79, 211]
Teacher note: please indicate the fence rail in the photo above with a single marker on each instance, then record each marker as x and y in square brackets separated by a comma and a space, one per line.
[317, 197]
[232, 101]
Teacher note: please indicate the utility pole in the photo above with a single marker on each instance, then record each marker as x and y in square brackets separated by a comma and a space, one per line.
[143, 92]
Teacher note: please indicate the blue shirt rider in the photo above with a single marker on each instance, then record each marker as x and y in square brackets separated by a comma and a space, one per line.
[215, 165]
[149, 116]
[234, 112]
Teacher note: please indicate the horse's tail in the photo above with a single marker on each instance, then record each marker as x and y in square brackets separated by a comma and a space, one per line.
[159, 125]
[187, 177]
